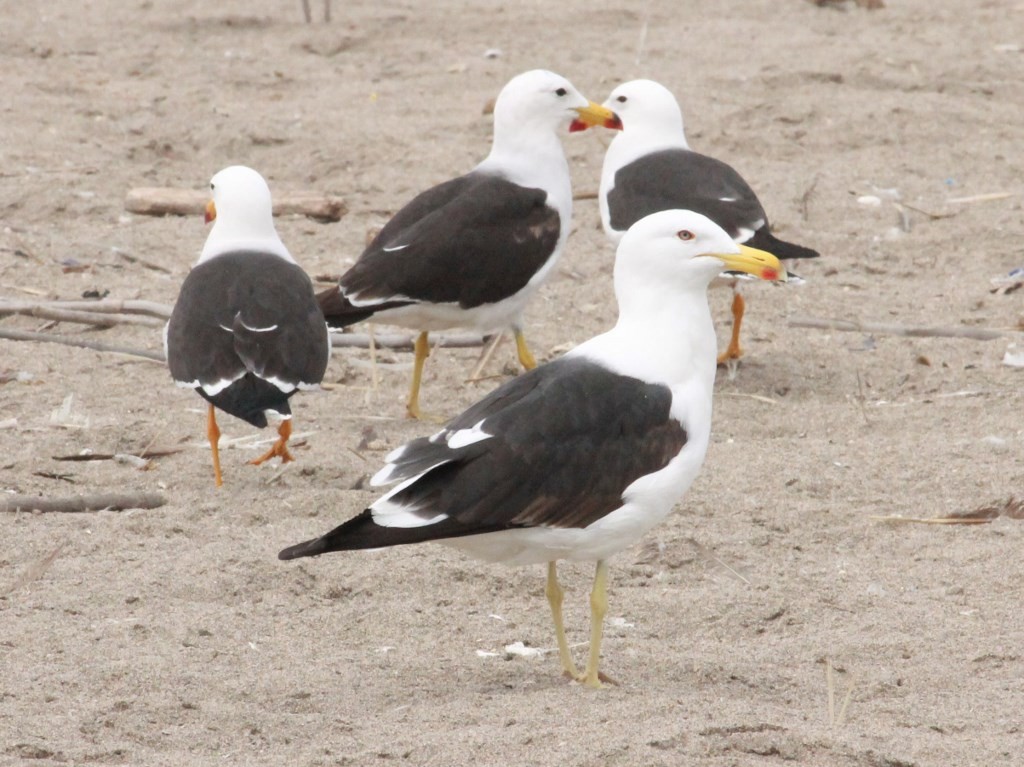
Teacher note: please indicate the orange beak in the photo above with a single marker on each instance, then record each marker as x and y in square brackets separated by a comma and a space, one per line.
[211, 211]
[595, 114]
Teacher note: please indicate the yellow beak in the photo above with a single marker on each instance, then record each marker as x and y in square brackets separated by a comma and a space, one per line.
[759, 263]
[595, 114]
[211, 211]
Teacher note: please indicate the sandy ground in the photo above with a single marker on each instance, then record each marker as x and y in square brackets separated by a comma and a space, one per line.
[174, 636]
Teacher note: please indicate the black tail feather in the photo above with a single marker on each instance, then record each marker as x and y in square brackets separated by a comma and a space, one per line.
[361, 532]
[765, 240]
[340, 312]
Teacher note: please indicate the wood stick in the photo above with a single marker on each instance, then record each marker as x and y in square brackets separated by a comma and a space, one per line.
[892, 329]
[143, 454]
[79, 503]
[395, 341]
[101, 319]
[113, 306]
[992, 196]
[401, 342]
[25, 335]
[162, 201]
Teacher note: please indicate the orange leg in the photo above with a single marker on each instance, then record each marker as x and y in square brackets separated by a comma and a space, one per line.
[733, 350]
[280, 447]
[213, 434]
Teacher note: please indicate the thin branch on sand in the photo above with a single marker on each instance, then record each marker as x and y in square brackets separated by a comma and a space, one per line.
[26, 335]
[79, 503]
[400, 342]
[109, 306]
[395, 341]
[61, 314]
[893, 329]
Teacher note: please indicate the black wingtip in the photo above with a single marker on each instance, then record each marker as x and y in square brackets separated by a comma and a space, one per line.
[306, 549]
[765, 240]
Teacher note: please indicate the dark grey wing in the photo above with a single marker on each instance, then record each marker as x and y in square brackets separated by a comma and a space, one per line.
[681, 179]
[565, 440]
[279, 330]
[250, 318]
[474, 240]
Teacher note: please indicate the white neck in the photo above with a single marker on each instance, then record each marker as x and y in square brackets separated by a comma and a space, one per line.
[664, 333]
[226, 238]
[533, 158]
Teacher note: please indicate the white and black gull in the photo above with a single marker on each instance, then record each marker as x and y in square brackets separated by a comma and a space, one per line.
[246, 331]
[472, 251]
[580, 457]
[649, 166]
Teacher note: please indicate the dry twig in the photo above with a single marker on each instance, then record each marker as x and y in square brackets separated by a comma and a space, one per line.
[400, 342]
[893, 329]
[25, 335]
[100, 319]
[79, 503]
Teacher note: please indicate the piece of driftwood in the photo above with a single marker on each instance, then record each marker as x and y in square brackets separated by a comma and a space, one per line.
[79, 503]
[892, 329]
[100, 319]
[25, 335]
[163, 201]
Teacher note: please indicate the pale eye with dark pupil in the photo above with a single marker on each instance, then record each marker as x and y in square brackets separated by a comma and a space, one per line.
[685, 235]
[561, 92]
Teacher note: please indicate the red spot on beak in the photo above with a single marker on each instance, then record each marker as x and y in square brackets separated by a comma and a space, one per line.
[770, 274]
[577, 125]
[615, 123]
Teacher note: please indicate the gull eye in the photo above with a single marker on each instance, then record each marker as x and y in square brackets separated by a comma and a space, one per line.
[561, 92]
[622, 99]
[685, 235]
[211, 187]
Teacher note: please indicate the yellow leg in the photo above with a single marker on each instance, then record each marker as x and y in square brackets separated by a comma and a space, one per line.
[280, 448]
[733, 351]
[213, 434]
[525, 358]
[422, 351]
[555, 594]
[598, 609]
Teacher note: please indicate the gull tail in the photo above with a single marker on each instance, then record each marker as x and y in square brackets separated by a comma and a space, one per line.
[765, 240]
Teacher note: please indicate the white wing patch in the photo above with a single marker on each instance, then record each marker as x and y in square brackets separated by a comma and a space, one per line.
[215, 388]
[743, 234]
[268, 329]
[393, 248]
[284, 386]
[387, 514]
[386, 476]
[464, 437]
